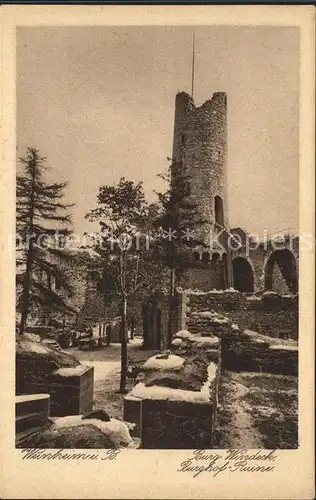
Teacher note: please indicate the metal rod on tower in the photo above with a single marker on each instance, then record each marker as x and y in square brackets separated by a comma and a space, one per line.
[193, 61]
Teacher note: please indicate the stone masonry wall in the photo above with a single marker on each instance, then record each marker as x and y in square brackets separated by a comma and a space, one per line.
[259, 257]
[200, 148]
[270, 314]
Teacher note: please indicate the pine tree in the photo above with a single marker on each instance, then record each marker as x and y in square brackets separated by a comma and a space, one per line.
[42, 221]
[179, 221]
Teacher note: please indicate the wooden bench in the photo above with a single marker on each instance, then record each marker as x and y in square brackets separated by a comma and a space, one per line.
[91, 343]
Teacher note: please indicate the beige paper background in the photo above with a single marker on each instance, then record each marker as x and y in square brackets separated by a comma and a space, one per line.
[141, 473]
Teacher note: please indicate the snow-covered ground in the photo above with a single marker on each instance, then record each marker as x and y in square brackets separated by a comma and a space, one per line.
[257, 410]
[103, 370]
[107, 370]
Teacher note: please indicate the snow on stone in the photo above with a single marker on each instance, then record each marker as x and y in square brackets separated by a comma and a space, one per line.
[234, 327]
[173, 362]
[205, 314]
[115, 430]
[140, 391]
[251, 333]
[32, 337]
[194, 292]
[231, 289]
[269, 292]
[205, 340]
[69, 372]
[221, 320]
[176, 342]
[284, 346]
[34, 347]
[183, 334]
[30, 397]
[253, 297]
[216, 318]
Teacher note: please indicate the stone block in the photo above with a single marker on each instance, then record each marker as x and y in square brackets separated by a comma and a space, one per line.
[31, 411]
[71, 392]
[177, 424]
[132, 412]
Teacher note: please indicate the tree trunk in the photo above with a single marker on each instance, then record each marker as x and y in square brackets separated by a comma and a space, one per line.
[123, 347]
[171, 295]
[26, 289]
[29, 262]
[132, 327]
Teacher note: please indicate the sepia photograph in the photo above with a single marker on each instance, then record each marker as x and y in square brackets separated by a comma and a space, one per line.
[157, 239]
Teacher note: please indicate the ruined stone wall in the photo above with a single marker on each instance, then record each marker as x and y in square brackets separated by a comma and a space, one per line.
[201, 278]
[258, 257]
[74, 269]
[270, 314]
[200, 151]
[85, 297]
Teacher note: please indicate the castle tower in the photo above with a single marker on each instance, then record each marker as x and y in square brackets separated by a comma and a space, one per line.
[200, 152]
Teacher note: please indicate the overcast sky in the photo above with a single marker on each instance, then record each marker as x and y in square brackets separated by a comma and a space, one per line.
[99, 103]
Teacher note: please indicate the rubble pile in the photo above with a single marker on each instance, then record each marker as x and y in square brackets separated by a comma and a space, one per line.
[35, 362]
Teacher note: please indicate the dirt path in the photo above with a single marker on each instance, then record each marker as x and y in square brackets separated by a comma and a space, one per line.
[257, 410]
[235, 425]
[245, 436]
[107, 370]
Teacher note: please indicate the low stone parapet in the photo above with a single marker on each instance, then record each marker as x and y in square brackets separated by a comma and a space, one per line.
[250, 351]
[183, 400]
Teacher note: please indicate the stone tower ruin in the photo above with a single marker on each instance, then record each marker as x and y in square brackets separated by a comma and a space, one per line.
[200, 150]
[200, 153]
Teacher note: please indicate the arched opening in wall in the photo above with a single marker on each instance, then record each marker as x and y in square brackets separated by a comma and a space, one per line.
[196, 256]
[219, 210]
[281, 272]
[243, 275]
[205, 257]
[215, 259]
